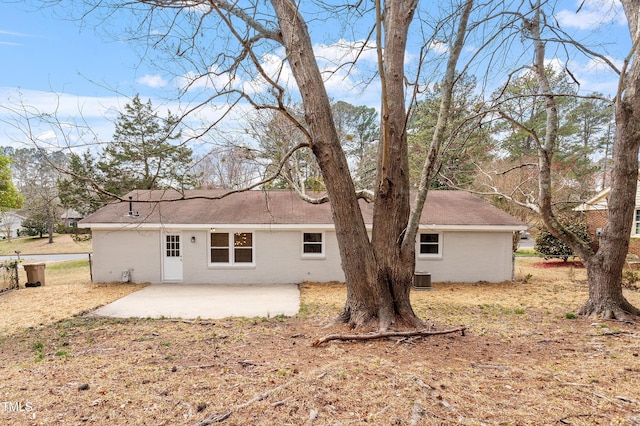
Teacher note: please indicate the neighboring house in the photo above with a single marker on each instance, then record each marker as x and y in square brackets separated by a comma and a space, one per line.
[10, 223]
[70, 218]
[275, 237]
[596, 213]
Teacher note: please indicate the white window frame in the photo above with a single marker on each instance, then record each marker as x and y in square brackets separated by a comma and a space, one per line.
[437, 255]
[636, 223]
[320, 255]
[231, 238]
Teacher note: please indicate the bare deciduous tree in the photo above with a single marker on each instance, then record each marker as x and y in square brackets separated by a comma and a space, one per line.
[604, 267]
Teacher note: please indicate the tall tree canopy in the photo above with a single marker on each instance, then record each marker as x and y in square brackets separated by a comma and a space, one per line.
[465, 143]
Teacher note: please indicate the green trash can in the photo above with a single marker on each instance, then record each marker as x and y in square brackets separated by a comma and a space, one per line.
[35, 274]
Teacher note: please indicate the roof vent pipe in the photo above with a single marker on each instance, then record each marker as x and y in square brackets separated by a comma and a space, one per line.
[131, 213]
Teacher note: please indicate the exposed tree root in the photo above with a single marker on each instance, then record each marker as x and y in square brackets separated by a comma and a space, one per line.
[624, 312]
[385, 334]
[364, 321]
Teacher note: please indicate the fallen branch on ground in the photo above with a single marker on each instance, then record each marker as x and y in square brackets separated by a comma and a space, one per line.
[626, 399]
[215, 418]
[204, 366]
[491, 367]
[565, 419]
[220, 417]
[385, 334]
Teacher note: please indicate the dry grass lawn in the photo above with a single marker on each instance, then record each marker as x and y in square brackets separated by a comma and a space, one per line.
[62, 243]
[523, 361]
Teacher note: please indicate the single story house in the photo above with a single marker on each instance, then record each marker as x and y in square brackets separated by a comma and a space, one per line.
[275, 237]
[596, 212]
[70, 218]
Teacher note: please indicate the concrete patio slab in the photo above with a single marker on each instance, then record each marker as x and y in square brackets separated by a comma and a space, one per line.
[205, 301]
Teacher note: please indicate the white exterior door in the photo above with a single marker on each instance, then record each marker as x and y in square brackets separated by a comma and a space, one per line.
[172, 265]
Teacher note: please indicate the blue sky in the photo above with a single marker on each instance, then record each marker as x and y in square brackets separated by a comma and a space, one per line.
[56, 65]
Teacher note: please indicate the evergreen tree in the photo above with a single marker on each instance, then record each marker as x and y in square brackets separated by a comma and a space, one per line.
[466, 142]
[145, 154]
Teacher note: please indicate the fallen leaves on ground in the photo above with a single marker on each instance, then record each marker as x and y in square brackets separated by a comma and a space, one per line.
[522, 361]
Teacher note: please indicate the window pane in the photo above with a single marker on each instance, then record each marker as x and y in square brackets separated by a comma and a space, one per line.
[428, 249]
[312, 248]
[172, 244]
[220, 239]
[219, 255]
[243, 255]
[242, 239]
[312, 237]
[428, 238]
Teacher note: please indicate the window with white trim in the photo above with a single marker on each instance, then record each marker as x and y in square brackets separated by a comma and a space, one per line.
[231, 248]
[636, 223]
[429, 245]
[312, 244]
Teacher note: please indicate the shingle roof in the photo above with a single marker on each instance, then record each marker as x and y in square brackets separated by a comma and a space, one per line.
[282, 207]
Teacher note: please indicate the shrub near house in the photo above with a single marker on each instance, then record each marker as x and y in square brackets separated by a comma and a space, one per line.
[551, 247]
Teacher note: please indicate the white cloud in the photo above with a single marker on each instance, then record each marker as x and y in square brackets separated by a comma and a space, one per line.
[598, 65]
[277, 70]
[55, 118]
[595, 75]
[344, 80]
[154, 81]
[213, 80]
[438, 47]
[555, 64]
[12, 33]
[590, 14]
[343, 52]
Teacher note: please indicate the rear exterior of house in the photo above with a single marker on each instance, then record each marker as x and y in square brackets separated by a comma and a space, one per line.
[261, 237]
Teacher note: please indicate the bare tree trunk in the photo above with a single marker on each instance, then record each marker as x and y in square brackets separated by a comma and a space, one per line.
[605, 268]
[378, 273]
[391, 210]
[367, 300]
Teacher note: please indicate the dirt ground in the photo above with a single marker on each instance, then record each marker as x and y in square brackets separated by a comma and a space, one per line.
[524, 360]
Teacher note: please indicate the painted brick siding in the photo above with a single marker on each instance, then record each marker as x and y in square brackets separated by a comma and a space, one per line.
[597, 219]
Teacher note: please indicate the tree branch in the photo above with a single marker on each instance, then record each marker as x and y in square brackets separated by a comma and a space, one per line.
[386, 334]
